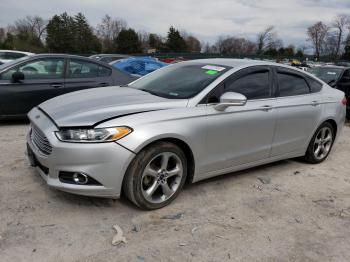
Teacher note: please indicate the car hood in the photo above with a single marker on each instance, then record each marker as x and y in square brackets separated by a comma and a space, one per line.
[93, 106]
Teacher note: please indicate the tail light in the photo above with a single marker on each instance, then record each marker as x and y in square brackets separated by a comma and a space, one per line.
[344, 101]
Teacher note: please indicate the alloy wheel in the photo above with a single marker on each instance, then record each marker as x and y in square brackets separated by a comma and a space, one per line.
[161, 177]
[323, 143]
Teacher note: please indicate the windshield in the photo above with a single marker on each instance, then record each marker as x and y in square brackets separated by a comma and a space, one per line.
[180, 81]
[326, 74]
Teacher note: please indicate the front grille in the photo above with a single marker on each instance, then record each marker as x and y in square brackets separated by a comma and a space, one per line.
[40, 141]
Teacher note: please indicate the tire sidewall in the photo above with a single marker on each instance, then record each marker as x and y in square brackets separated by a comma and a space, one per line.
[310, 153]
[142, 161]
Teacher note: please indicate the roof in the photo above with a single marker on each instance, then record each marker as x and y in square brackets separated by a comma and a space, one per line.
[235, 62]
[61, 55]
[106, 55]
[16, 51]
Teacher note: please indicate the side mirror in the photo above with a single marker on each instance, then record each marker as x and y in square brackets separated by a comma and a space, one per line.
[17, 77]
[332, 83]
[230, 99]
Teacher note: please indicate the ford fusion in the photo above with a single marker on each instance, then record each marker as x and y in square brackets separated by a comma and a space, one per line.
[183, 123]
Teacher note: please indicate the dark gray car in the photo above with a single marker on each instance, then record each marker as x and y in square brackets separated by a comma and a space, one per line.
[107, 58]
[27, 82]
[337, 77]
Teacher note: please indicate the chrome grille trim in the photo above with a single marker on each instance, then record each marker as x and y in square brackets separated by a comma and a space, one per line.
[40, 141]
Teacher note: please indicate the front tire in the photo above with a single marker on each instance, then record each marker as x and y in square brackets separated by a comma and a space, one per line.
[156, 176]
[321, 144]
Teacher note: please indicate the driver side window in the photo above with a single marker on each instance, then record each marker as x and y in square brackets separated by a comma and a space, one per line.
[255, 85]
[49, 68]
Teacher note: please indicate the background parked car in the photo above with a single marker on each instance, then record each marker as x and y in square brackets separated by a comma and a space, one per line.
[138, 65]
[27, 82]
[337, 77]
[107, 58]
[10, 55]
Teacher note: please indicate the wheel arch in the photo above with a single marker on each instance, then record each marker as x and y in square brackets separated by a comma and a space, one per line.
[184, 146]
[333, 124]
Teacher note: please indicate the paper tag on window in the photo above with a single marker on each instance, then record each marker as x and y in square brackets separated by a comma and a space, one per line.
[331, 73]
[215, 68]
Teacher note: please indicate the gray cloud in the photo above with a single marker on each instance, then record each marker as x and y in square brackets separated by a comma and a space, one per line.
[206, 19]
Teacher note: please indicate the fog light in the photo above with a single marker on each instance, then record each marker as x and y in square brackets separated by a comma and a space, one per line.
[77, 178]
[80, 178]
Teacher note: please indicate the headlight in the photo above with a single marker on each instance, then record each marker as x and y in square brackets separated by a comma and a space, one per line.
[93, 135]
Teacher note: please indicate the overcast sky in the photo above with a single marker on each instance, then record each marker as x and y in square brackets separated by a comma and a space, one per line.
[206, 19]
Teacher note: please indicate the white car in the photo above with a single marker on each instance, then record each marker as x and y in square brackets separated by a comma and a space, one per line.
[10, 55]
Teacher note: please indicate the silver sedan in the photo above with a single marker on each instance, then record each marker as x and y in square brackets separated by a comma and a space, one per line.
[184, 123]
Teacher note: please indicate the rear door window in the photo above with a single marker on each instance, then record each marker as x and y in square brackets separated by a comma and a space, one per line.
[315, 86]
[104, 71]
[290, 84]
[82, 69]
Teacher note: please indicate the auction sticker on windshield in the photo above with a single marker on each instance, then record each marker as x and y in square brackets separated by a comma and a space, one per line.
[214, 68]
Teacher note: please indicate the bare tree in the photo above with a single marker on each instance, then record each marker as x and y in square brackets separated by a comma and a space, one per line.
[317, 34]
[108, 30]
[267, 39]
[234, 45]
[340, 22]
[2, 34]
[207, 48]
[192, 43]
[144, 40]
[34, 25]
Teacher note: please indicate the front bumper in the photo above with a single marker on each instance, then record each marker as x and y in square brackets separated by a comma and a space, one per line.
[104, 162]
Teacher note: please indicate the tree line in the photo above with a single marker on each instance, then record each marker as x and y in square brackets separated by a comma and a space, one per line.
[73, 34]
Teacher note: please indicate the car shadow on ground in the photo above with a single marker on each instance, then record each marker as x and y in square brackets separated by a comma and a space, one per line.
[14, 122]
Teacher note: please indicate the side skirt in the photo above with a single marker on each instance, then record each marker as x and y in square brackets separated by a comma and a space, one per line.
[199, 177]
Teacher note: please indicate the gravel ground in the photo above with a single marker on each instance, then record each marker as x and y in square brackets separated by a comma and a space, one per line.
[286, 211]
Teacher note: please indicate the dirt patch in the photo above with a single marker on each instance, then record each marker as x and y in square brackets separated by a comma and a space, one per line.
[286, 211]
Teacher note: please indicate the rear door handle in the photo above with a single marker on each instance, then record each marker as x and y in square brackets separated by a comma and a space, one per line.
[266, 108]
[315, 103]
[103, 84]
[56, 85]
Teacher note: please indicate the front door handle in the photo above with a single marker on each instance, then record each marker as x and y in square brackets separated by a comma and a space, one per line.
[57, 85]
[315, 103]
[103, 84]
[266, 108]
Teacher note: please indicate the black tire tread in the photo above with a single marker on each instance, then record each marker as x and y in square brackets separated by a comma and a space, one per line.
[130, 185]
[309, 155]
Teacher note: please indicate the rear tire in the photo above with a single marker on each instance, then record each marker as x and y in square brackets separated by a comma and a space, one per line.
[156, 176]
[321, 144]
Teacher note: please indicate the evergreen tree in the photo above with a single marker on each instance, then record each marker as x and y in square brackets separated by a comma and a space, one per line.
[60, 34]
[127, 42]
[85, 40]
[69, 34]
[175, 42]
[155, 42]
